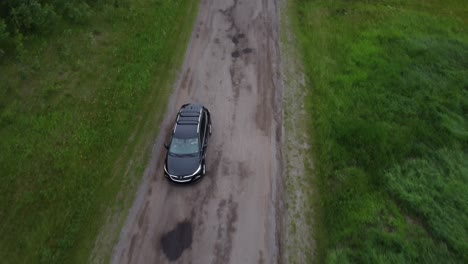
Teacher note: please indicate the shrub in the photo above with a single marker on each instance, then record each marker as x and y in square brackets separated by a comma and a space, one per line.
[3, 30]
[33, 17]
[74, 11]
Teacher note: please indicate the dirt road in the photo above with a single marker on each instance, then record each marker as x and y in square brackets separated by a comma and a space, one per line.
[231, 67]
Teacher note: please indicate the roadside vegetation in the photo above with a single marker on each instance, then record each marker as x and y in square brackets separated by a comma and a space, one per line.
[388, 107]
[83, 85]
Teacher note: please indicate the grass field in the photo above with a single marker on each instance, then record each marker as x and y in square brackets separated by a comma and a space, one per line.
[78, 112]
[388, 107]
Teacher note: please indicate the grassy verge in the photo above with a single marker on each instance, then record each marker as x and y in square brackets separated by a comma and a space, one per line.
[298, 229]
[75, 109]
[388, 107]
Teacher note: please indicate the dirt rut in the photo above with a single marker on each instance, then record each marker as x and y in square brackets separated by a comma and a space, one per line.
[231, 67]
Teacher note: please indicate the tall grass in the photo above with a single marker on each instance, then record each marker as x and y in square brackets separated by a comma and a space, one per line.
[389, 108]
[69, 104]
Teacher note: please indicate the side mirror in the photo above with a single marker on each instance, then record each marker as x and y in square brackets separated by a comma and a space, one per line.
[166, 146]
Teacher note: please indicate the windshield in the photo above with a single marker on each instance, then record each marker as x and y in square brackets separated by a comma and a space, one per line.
[182, 146]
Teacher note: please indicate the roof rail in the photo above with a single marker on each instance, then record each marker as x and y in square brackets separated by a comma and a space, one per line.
[199, 120]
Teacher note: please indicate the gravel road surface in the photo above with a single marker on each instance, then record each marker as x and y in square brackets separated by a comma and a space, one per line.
[230, 216]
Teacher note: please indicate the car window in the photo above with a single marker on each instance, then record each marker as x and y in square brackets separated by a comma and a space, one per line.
[183, 146]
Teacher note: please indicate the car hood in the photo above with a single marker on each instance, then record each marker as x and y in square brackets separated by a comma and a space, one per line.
[182, 165]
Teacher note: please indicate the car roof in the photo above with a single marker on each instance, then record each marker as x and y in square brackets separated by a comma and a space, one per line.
[187, 121]
[185, 131]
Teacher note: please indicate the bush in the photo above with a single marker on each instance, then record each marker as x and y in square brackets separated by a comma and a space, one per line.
[3, 36]
[3, 31]
[74, 11]
[36, 17]
[33, 17]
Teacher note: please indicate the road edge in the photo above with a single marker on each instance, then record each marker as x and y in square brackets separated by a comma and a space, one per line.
[297, 213]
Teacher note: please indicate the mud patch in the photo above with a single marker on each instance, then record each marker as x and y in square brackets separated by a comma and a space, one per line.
[132, 246]
[222, 249]
[237, 37]
[247, 50]
[142, 217]
[221, 206]
[243, 170]
[185, 78]
[213, 165]
[261, 260]
[177, 240]
[226, 168]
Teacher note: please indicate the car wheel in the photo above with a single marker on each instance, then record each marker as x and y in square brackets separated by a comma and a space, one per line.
[203, 170]
[210, 130]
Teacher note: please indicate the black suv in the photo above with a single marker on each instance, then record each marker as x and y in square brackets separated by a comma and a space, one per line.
[186, 151]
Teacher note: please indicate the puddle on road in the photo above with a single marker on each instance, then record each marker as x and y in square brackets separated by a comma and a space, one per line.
[237, 53]
[236, 38]
[247, 50]
[177, 240]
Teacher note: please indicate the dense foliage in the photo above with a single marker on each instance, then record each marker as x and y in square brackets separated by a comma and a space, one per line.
[27, 17]
[389, 102]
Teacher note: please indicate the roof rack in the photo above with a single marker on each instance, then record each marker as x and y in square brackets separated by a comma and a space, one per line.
[187, 122]
[189, 114]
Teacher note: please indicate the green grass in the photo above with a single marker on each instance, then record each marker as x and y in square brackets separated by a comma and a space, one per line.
[78, 111]
[388, 107]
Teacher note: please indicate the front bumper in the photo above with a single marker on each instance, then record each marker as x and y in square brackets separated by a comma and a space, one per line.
[183, 179]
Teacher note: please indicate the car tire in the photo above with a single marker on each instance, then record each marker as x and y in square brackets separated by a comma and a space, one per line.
[203, 169]
[210, 130]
